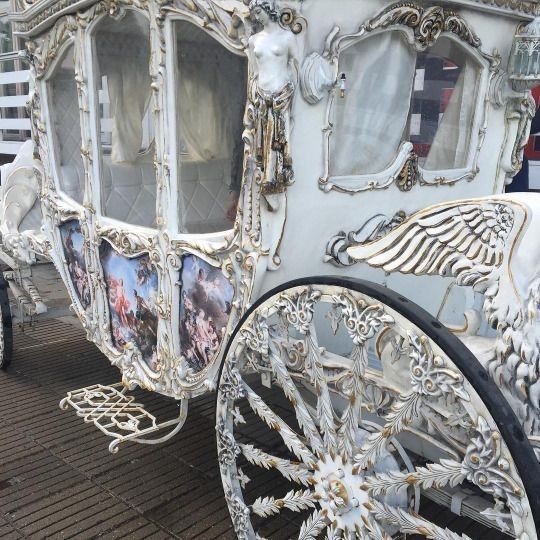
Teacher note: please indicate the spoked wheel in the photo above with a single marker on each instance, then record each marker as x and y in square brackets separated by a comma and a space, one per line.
[344, 410]
[6, 330]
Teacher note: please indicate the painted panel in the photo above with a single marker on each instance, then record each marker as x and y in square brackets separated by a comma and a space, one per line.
[132, 286]
[205, 305]
[73, 247]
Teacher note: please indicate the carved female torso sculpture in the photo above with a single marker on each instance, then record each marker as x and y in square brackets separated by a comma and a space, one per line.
[272, 51]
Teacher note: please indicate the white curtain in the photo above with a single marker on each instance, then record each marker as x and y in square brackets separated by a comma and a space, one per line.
[210, 106]
[450, 146]
[124, 60]
[370, 120]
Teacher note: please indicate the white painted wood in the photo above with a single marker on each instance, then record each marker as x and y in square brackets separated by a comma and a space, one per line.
[14, 123]
[10, 77]
[10, 147]
[13, 101]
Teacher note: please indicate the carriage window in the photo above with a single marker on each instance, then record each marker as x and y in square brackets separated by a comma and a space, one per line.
[442, 110]
[370, 119]
[128, 189]
[211, 96]
[396, 94]
[66, 132]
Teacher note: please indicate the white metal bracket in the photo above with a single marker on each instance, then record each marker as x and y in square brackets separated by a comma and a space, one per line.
[117, 415]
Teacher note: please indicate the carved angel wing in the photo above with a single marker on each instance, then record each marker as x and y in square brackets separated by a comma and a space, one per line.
[465, 239]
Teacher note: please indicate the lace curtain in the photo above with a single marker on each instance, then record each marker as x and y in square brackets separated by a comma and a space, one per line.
[210, 108]
[450, 147]
[123, 57]
[369, 122]
[373, 118]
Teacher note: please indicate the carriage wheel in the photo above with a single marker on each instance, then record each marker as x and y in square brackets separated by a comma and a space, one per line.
[343, 409]
[6, 330]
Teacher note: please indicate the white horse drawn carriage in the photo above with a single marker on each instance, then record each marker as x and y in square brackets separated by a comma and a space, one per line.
[192, 157]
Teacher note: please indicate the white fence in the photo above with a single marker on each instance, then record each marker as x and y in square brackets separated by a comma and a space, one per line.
[14, 93]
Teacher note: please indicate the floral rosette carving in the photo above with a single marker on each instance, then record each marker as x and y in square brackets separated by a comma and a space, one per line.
[429, 374]
[361, 320]
[298, 309]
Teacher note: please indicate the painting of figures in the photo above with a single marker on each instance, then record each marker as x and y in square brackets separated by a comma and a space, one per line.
[205, 304]
[73, 246]
[131, 293]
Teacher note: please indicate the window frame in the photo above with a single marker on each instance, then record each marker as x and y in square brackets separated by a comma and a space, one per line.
[95, 120]
[405, 157]
[47, 91]
[174, 139]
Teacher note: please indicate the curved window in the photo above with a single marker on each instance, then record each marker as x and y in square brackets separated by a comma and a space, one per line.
[396, 94]
[128, 184]
[211, 96]
[66, 132]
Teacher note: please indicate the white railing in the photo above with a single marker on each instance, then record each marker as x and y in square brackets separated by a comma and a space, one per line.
[14, 93]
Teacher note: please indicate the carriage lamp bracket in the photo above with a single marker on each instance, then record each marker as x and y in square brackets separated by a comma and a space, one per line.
[116, 414]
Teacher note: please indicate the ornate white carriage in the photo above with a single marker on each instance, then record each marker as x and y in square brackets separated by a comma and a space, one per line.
[356, 137]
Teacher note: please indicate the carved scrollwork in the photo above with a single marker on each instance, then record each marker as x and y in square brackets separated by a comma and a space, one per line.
[361, 320]
[290, 19]
[428, 24]
[231, 383]
[487, 468]
[298, 309]
[239, 515]
[129, 242]
[409, 174]
[255, 336]
[373, 229]
[424, 27]
[227, 449]
[41, 55]
[429, 374]
[228, 21]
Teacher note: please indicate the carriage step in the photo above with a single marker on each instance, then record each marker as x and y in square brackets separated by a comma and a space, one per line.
[116, 413]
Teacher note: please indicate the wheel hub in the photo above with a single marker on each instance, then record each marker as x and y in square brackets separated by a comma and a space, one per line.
[339, 492]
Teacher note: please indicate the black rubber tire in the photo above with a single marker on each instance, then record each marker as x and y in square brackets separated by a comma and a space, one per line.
[7, 334]
[507, 422]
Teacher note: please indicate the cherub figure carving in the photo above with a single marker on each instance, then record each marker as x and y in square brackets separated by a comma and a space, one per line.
[490, 244]
[272, 54]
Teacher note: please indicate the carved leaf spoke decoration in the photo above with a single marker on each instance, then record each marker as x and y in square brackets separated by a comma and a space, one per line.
[313, 526]
[293, 500]
[305, 421]
[325, 411]
[402, 414]
[291, 439]
[411, 524]
[297, 472]
[350, 419]
[446, 473]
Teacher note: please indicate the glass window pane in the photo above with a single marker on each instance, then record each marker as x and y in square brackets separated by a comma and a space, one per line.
[211, 96]
[66, 132]
[369, 119]
[128, 188]
[443, 105]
